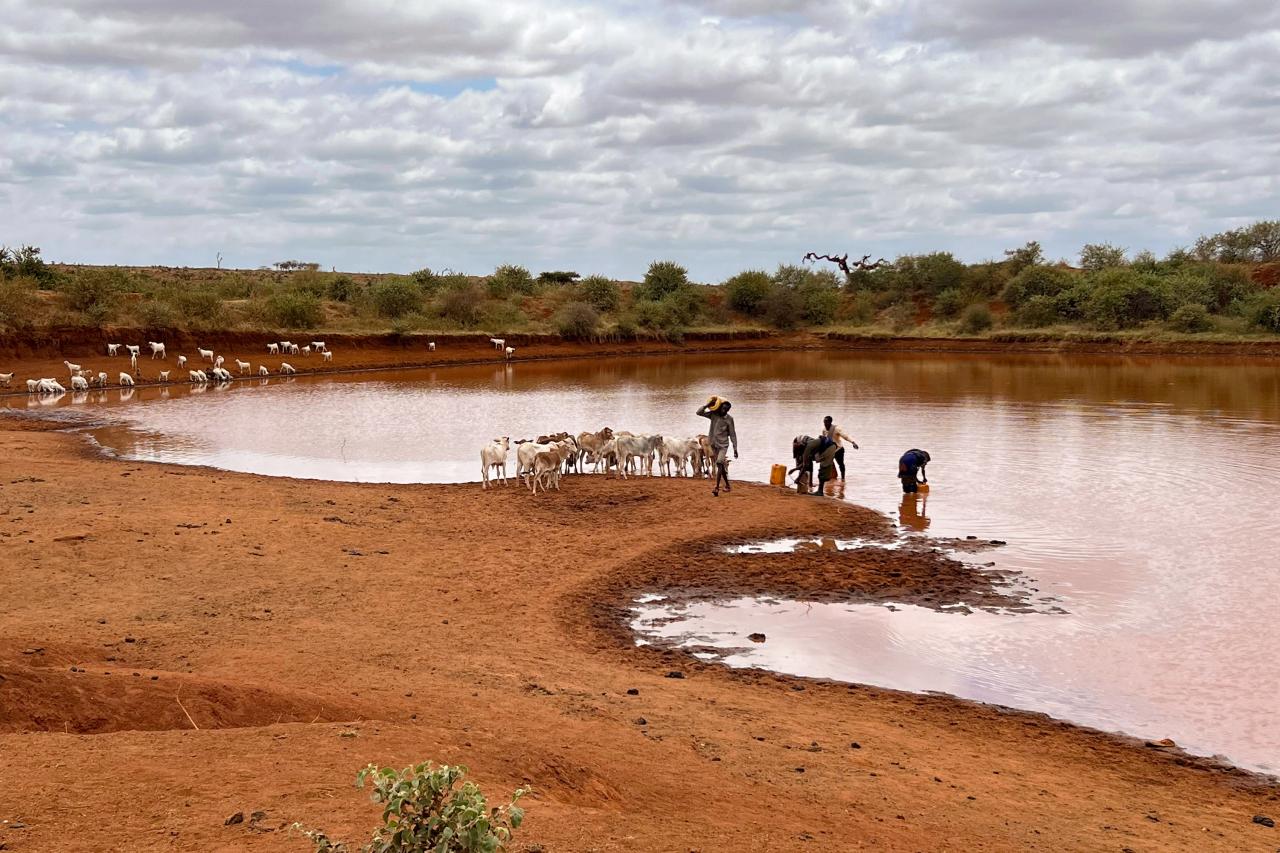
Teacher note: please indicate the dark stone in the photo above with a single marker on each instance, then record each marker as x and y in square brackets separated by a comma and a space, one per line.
[130, 640]
[998, 542]
[641, 721]
[855, 745]
[675, 673]
[633, 692]
[756, 638]
[238, 817]
[1263, 820]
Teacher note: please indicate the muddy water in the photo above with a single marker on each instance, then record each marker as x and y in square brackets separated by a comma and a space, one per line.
[1142, 494]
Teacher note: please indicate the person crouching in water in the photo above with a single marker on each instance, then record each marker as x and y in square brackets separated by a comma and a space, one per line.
[911, 463]
[720, 433]
[806, 450]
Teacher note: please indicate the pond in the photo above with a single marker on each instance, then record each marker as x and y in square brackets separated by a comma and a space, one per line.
[1141, 494]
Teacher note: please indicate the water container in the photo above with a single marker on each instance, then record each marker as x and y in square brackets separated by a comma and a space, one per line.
[778, 476]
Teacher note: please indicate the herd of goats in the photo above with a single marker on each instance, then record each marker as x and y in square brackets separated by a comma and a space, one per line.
[542, 461]
[82, 379]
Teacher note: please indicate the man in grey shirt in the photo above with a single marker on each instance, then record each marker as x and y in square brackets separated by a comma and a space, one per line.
[720, 433]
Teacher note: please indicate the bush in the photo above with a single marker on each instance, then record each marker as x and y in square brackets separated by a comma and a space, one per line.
[343, 288]
[820, 301]
[986, 279]
[17, 302]
[950, 302]
[423, 813]
[293, 309]
[578, 321]
[559, 277]
[461, 304]
[901, 316]
[395, 297]
[1263, 310]
[747, 291]
[976, 319]
[783, 308]
[1036, 280]
[201, 307]
[1101, 256]
[25, 262]
[508, 279]
[1123, 298]
[931, 274]
[428, 282]
[1191, 318]
[602, 293]
[1030, 255]
[1038, 312]
[95, 292]
[858, 309]
[662, 278]
[158, 314]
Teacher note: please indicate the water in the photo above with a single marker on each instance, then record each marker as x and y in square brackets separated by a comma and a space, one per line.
[1140, 493]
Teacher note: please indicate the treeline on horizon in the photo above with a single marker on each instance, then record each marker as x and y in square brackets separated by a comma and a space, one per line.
[1225, 283]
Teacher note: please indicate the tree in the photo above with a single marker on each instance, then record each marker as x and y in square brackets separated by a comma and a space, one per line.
[510, 279]
[1101, 256]
[601, 292]
[560, 277]
[1030, 255]
[661, 279]
[748, 290]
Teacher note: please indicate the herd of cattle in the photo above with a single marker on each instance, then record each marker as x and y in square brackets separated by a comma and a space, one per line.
[542, 461]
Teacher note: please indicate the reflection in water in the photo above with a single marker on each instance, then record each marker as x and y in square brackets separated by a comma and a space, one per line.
[1138, 492]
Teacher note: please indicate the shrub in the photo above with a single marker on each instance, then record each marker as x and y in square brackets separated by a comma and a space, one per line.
[662, 278]
[987, 278]
[601, 292]
[560, 277]
[1036, 281]
[901, 316]
[343, 288]
[293, 309]
[1122, 299]
[1263, 310]
[395, 297]
[577, 321]
[1191, 317]
[158, 314]
[424, 812]
[1037, 312]
[950, 302]
[428, 282]
[783, 308]
[311, 282]
[858, 309]
[25, 262]
[508, 279]
[502, 316]
[95, 292]
[1030, 255]
[820, 301]
[747, 291]
[1101, 256]
[932, 273]
[201, 307]
[17, 302]
[461, 304]
[975, 319]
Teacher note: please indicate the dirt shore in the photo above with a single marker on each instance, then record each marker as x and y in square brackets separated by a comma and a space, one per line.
[178, 645]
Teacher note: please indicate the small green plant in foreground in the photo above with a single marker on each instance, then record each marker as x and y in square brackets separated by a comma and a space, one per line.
[424, 812]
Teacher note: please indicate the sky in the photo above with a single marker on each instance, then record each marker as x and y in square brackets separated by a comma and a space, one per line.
[389, 135]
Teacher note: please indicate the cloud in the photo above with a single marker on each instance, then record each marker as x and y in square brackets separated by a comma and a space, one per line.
[600, 136]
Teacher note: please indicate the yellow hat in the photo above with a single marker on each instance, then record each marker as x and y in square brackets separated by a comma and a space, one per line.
[715, 402]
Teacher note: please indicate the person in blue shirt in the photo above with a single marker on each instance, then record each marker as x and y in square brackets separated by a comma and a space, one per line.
[911, 464]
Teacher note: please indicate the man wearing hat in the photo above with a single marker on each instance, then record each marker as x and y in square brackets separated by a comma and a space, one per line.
[720, 434]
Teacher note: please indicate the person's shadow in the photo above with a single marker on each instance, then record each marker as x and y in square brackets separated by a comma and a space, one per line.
[912, 512]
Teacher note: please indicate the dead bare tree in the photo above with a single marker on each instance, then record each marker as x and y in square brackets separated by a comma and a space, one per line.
[846, 267]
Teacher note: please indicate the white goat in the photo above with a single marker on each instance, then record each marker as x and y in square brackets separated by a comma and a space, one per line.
[262, 370]
[493, 457]
[328, 355]
[71, 368]
[273, 349]
[164, 376]
[431, 347]
[113, 349]
[157, 349]
[78, 383]
[318, 346]
[286, 367]
[206, 354]
[242, 366]
[306, 350]
[32, 386]
[126, 379]
[498, 343]
[293, 349]
[197, 376]
[219, 361]
[221, 374]
[511, 351]
[132, 349]
[102, 380]
[133, 360]
[6, 379]
[182, 361]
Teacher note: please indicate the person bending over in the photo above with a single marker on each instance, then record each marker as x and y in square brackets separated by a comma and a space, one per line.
[806, 451]
[911, 463]
[839, 436]
[720, 433]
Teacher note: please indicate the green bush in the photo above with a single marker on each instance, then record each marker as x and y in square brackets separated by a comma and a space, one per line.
[343, 288]
[1191, 317]
[987, 278]
[951, 302]
[1122, 298]
[858, 309]
[747, 291]
[976, 319]
[293, 309]
[95, 292]
[930, 274]
[428, 282]
[1030, 255]
[821, 301]
[17, 302]
[461, 304]
[557, 277]
[783, 307]
[578, 321]
[424, 811]
[508, 279]
[1101, 256]
[1263, 310]
[501, 316]
[25, 262]
[395, 297]
[601, 292]
[1036, 280]
[1038, 312]
[200, 307]
[158, 314]
[662, 278]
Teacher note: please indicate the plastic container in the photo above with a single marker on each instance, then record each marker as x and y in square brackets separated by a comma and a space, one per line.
[778, 476]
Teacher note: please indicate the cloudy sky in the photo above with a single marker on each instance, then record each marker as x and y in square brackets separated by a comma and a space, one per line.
[724, 134]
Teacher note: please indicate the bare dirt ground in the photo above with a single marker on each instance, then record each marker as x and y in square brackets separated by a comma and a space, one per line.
[178, 645]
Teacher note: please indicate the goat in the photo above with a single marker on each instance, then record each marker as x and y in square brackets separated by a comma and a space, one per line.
[431, 347]
[157, 349]
[273, 349]
[328, 355]
[182, 361]
[493, 457]
[133, 360]
[242, 366]
[498, 343]
[221, 374]
[306, 350]
[32, 386]
[102, 380]
[78, 383]
[286, 367]
[132, 349]
[206, 354]
[113, 349]
[164, 376]
[197, 376]
[262, 370]
[293, 349]
[286, 346]
[219, 361]
[6, 379]
[318, 346]
[126, 379]
[71, 368]
[511, 351]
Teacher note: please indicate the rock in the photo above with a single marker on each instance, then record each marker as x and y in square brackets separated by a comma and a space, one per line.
[998, 542]
[1263, 820]
[238, 817]
[130, 640]
[855, 745]
[641, 721]
[756, 638]
[1163, 743]
[633, 692]
[675, 673]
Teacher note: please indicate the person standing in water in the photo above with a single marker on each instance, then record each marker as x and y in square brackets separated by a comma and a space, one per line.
[839, 437]
[720, 433]
[806, 450]
[911, 463]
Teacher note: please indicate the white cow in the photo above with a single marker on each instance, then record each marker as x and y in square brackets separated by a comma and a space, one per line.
[678, 451]
[493, 459]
